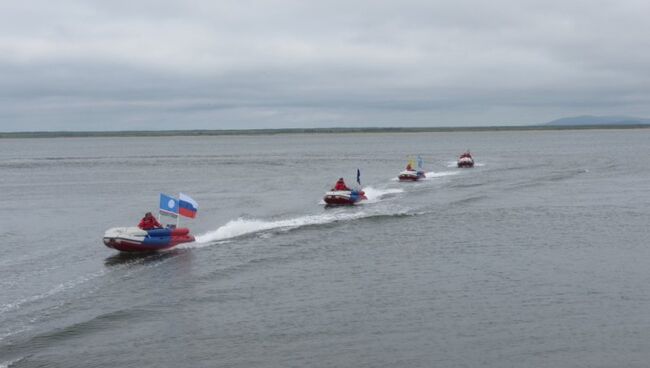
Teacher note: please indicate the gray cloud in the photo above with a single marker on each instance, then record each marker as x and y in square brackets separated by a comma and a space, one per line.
[101, 65]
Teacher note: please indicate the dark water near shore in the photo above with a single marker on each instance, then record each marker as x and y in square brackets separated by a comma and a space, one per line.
[538, 257]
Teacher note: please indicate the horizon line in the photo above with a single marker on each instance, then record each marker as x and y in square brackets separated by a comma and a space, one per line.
[325, 130]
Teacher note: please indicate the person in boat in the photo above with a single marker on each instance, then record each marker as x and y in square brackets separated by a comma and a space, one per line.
[340, 185]
[409, 167]
[149, 222]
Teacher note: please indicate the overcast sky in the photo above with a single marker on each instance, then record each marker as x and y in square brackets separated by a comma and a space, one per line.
[125, 65]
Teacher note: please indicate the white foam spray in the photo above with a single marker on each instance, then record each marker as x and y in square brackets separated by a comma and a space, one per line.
[53, 291]
[9, 363]
[375, 195]
[431, 175]
[241, 226]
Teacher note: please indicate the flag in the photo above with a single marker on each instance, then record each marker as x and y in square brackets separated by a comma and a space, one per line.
[419, 162]
[168, 205]
[164, 214]
[359, 176]
[187, 206]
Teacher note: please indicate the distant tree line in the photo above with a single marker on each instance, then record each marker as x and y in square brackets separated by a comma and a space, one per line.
[206, 132]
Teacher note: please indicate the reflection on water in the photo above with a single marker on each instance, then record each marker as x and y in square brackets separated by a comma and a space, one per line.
[123, 258]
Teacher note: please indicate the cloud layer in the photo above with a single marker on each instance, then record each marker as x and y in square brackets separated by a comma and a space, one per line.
[105, 65]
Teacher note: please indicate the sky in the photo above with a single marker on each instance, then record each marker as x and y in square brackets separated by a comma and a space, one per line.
[245, 64]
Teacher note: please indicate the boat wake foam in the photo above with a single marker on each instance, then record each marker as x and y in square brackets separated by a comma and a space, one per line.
[432, 174]
[375, 195]
[53, 291]
[242, 227]
[9, 363]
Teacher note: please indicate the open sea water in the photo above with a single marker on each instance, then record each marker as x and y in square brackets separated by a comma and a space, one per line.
[537, 257]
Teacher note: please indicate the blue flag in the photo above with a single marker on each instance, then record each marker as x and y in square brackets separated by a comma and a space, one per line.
[420, 162]
[359, 176]
[168, 205]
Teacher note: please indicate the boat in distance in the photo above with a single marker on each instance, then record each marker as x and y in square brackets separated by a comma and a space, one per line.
[411, 175]
[466, 160]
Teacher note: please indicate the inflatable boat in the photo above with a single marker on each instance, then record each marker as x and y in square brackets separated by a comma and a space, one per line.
[466, 160]
[411, 175]
[344, 197]
[134, 239]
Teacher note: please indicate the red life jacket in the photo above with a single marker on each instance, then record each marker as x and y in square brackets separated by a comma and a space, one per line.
[148, 223]
[340, 185]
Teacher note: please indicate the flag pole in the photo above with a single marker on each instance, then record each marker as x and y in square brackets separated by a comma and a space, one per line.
[178, 215]
[359, 178]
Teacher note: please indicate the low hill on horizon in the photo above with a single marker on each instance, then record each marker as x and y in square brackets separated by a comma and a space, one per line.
[598, 120]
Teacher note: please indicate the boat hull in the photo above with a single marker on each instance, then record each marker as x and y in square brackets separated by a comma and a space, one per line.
[137, 240]
[465, 162]
[343, 198]
[411, 175]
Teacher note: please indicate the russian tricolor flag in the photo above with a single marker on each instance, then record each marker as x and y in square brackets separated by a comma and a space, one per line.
[187, 206]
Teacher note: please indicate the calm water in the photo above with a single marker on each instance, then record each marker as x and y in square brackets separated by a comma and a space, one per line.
[538, 257]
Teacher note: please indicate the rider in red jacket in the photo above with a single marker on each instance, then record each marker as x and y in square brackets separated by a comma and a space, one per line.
[149, 222]
[340, 185]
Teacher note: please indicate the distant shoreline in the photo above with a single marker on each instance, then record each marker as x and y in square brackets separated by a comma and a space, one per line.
[229, 132]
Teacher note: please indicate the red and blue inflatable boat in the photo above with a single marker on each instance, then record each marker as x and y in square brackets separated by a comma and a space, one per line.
[134, 239]
[411, 175]
[344, 197]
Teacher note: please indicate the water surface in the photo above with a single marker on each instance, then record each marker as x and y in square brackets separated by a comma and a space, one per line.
[536, 257]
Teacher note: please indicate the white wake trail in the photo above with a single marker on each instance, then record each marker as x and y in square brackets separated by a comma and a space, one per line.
[375, 195]
[240, 226]
[433, 174]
